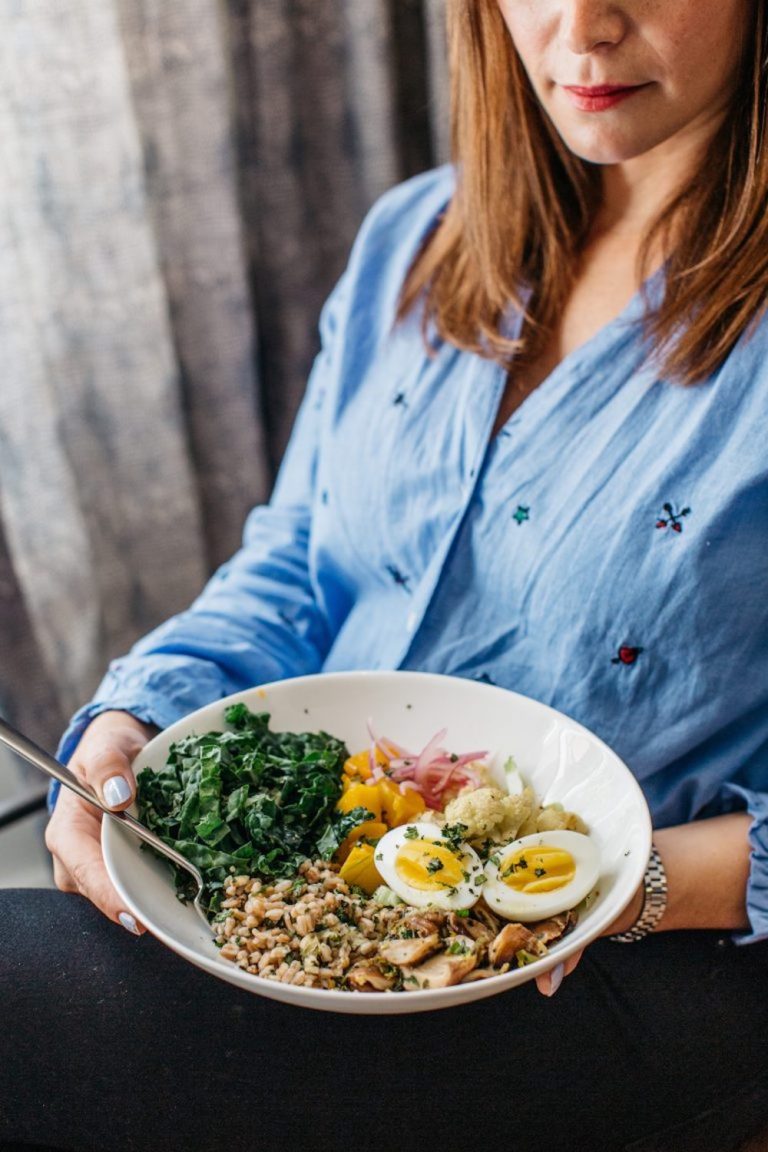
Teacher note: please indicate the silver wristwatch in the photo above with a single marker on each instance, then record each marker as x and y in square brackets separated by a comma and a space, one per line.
[654, 905]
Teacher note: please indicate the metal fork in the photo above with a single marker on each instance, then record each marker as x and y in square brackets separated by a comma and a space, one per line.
[46, 763]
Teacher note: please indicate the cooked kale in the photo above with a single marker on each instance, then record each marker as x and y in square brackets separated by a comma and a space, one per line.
[247, 801]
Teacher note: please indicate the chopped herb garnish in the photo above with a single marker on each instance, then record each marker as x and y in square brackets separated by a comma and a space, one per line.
[539, 871]
[521, 866]
[411, 833]
[524, 958]
[463, 912]
[454, 834]
[435, 865]
[457, 948]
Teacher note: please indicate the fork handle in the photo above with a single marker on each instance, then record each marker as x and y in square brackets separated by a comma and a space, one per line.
[43, 760]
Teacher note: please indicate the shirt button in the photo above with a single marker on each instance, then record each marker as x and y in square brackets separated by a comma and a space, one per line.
[411, 622]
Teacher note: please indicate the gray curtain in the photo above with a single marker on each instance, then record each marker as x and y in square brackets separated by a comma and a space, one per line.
[180, 182]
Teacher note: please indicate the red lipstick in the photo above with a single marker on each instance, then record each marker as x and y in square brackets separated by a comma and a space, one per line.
[599, 97]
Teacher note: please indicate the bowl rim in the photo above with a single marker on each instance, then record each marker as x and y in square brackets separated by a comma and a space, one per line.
[330, 999]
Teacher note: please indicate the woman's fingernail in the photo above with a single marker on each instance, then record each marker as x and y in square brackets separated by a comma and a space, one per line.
[128, 922]
[116, 791]
[556, 978]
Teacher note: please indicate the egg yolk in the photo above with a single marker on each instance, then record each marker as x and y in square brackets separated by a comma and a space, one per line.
[541, 869]
[428, 866]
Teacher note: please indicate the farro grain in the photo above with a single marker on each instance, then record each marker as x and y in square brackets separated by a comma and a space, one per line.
[308, 935]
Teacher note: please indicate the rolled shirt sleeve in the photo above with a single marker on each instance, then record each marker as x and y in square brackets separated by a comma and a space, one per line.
[756, 804]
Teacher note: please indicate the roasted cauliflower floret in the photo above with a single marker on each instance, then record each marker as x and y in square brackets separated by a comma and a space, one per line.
[554, 818]
[490, 814]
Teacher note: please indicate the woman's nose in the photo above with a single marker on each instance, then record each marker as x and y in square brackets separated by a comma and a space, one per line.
[587, 25]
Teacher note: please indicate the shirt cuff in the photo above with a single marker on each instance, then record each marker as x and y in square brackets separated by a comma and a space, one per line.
[757, 886]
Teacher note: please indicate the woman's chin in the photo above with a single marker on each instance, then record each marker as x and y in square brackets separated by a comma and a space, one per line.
[605, 144]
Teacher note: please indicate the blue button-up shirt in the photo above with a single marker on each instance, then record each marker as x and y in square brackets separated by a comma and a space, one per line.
[605, 552]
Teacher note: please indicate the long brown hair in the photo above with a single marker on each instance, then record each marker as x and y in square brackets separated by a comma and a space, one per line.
[524, 205]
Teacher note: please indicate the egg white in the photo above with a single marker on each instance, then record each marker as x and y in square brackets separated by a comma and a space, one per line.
[465, 893]
[525, 906]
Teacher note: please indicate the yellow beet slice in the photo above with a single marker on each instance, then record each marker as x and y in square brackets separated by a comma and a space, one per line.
[359, 868]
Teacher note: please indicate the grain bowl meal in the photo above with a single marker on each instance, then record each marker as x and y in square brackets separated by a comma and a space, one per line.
[384, 870]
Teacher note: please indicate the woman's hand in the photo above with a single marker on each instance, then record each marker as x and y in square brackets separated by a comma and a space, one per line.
[549, 983]
[102, 760]
[707, 866]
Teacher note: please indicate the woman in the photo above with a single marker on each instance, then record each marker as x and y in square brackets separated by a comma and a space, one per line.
[531, 452]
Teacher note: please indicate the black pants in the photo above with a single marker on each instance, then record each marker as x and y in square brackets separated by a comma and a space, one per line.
[110, 1043]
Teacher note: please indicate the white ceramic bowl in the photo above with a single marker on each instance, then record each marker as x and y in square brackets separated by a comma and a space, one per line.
[562, 761]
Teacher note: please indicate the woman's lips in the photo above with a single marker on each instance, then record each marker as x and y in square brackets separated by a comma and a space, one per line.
[601, 96]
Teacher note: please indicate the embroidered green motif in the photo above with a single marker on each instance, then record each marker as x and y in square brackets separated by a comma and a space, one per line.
[522, 514]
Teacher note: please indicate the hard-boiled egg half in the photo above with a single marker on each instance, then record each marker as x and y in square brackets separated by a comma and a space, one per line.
[540, 875]
[423, 867]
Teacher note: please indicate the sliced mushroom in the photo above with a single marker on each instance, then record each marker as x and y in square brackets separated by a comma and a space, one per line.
[475, 929]
[555, 927]
[421, 923]
[410, 951]
[484, 973]
[448, 967]
[365, 977]
[511, 940]
[485, 916]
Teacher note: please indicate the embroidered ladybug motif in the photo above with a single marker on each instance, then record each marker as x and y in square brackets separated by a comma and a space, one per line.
[398, 577]
[626, 655]
[673, 519]
[522, 514]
